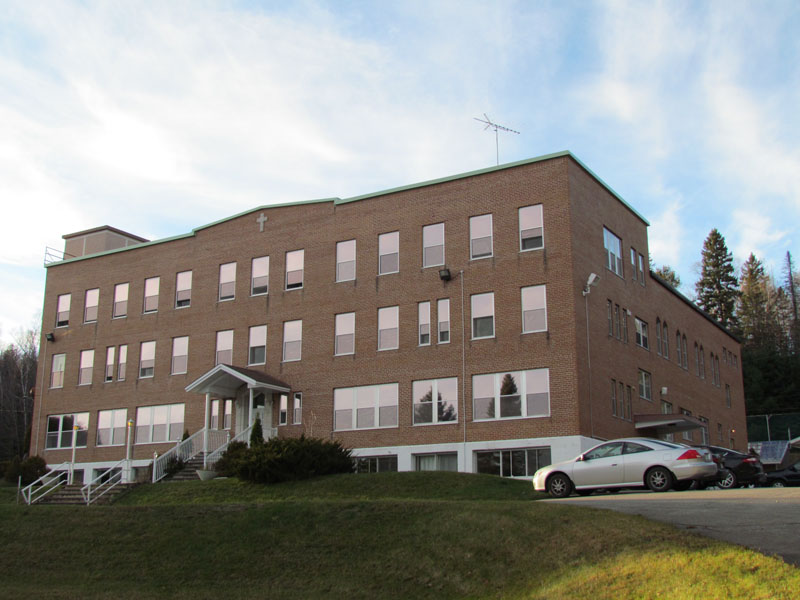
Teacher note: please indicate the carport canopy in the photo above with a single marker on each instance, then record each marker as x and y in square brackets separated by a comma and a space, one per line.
[661, 424]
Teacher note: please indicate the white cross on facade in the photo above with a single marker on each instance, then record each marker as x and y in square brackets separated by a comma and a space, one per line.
[261, 220]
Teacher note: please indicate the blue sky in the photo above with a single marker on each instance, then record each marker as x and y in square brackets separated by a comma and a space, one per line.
[157, 117]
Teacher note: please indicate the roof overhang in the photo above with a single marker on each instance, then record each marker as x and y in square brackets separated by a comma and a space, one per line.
[662, 424]
[225, 380]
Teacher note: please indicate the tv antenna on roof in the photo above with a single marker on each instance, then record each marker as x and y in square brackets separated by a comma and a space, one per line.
[496, 128]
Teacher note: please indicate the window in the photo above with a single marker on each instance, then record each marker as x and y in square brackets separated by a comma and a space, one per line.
[90, 305]
[685, 352]
[443, 314]
[259, 276]
[376, 464]
[366, 407]
[621, 400]
[613, 246]
[433, 245]
[704, 430]
[530, 228]
[227, 408]
[224, 353]
[642, 338]
[727, 395]
[345, 338]
[480, 236]
[534, 309]
[389, 253]
[257, 345]
[123, 361]
[87, 363]
[111, 427]
[60, 429]
[624, 324]
[645, 386]
[424, 317]
[522, 462]
[62, 310]
[183, 289]
[151, 286]
[180, 355]
[284, 407]
[294, 269]
[227, 281]
[696, 360]
[658, 337]
[292, 340]
[665, 341]
[346, 260]
[510, 395]
[388, 328]
[162, 423]
[666, 409]
[483, 315]
[297, 408]
[641, 269]
[719, 375]
[610, 317]
[57, 370]
[629, 403]
[444, 409]
[614, 397]
[687, 435]
[678, 348]
[147, 360]
[445, 461]
[633, 263]
[617, 328]
[109, 372]
[120, 301]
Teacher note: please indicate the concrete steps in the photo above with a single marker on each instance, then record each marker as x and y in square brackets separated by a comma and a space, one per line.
[71, 495]
[189, 472]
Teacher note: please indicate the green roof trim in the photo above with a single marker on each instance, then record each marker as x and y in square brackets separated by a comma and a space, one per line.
[336, 201]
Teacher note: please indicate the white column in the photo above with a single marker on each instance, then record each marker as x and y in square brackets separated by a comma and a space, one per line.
[205, 427]
[250, 408]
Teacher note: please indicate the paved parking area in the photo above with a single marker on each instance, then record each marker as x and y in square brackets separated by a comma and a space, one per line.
[764, 519]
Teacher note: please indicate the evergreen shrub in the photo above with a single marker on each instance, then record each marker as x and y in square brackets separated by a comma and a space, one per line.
[292, 459]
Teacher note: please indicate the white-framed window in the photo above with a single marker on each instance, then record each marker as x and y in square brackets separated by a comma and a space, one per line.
[259, 276]
[482, 315]
[388, 328]
[224, 351]
[86, 366]
[62, 310]
[257, 345]
[678, 356]
[433, 245]
[283, 410]
[665, 340]
[658, 336]
[294, 269]
[641, 269]
[443, 316]
[441, 461]
[292, 340]
[633, 263]
[684, 348]
[345, 335]
[534, 309]
[109, 372]
[645, 386]
[424, 319]
[365, 407]
[642, 338]
[624, 324]
[57, 370]
[480, 236]
[346, 260]
[297, 408]
[111, 427]
[183, 289]
[60, 429]
[122, 362]
[180, 355]
[520, 462]
[91, 302]
[512, 394]
[613, 246]
[376, 464]
[389, 253]
[163, 423]
[227, 281]
[226, 406]
[435, 401]
[147, 360]
[120, 300]
[151, 288]
[531, 236]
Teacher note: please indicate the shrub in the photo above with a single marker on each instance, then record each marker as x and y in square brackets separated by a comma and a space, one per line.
[13, 470]
[31, 469]
[257, 434]
[174, 465]
[228, 464]
[291, 459]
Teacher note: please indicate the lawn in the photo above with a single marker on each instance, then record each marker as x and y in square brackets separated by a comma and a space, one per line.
[394, 535]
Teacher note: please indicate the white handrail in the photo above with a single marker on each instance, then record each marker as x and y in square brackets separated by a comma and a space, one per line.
[112, 479]
[188, 449]
[213, 458]
[49, 482]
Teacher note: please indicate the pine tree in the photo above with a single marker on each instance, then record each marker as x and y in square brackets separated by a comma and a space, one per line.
[791, 291]
[753, 302]
[717, 288]
[669, 275]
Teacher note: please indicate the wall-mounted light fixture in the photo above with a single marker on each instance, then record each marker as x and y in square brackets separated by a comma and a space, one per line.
[590, 283]
[49, 337]
[444, 274]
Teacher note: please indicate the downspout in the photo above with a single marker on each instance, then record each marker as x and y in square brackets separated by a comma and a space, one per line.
[463, 372]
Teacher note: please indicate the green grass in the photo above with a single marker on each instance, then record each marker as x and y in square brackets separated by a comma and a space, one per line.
[406, 535]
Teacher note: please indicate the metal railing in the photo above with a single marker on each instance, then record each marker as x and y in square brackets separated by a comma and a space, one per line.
[188, 449]
[47, 483]
[213, 457]
[105, 482]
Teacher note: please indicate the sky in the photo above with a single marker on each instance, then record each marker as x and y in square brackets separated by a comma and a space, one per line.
[158, 117]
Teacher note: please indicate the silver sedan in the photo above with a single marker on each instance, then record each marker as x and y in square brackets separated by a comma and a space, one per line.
[627, 463]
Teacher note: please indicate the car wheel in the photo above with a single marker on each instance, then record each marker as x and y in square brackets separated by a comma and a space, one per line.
[778, 483]
[658, 479]
[559, 486]
[728, 480]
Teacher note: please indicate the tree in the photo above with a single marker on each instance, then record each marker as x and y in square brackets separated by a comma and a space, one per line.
[755, 314]
[717, 288]
[257, 433]
[669, 275]
[791, 289]
[17, 382]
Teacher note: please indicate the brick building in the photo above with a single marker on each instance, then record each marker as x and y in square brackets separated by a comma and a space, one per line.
[486, 322]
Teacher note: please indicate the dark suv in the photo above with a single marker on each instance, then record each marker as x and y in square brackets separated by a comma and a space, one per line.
[784, 477]
[736, 469]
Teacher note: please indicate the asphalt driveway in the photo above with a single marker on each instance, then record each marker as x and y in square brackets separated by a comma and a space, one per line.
[764, 519]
